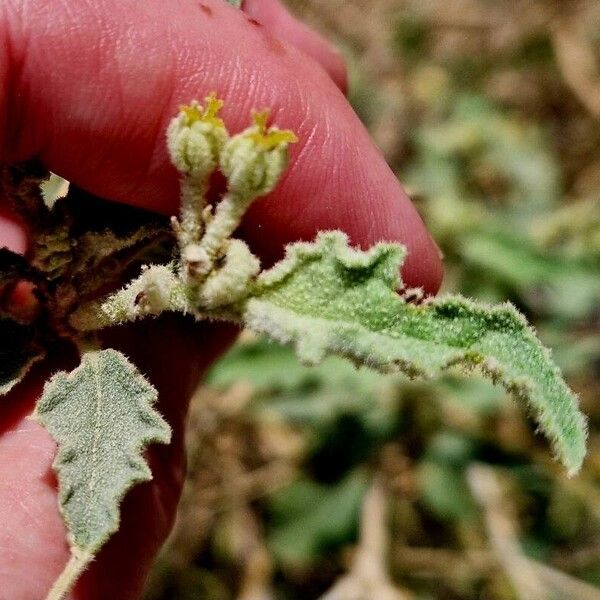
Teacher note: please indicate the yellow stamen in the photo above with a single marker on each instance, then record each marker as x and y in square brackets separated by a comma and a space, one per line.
[270, 137]
[260, 119]
[195, 112]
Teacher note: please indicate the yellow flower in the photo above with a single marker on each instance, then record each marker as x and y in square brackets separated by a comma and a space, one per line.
[254, 160]
[196, 138]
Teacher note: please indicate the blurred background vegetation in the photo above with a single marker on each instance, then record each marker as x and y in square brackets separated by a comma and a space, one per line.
[340, 484]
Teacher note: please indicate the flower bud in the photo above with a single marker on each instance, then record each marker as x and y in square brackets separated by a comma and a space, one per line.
[196, 137]
[254, 160]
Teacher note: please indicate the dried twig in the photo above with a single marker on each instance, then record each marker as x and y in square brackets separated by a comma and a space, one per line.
[368, 578]
[257, 563]
[578, 64]
[502, 533]
[530, 579]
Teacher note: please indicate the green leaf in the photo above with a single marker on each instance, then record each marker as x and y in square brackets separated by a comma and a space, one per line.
[310, 519]
[327, 298]
[102, 417]
[553, 284]
[236, 3]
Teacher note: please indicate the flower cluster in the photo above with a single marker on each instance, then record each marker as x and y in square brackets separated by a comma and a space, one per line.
[214, 270]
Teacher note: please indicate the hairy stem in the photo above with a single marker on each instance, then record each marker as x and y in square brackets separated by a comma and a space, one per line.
[156, 290]
[77, 564]
[226, 220]
[193, 202]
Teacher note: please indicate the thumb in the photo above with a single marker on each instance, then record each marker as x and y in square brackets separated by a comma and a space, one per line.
[90, 89]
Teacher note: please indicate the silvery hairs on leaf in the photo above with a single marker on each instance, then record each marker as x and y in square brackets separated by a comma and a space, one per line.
[323, 297]
[102, 418]
[327, 298]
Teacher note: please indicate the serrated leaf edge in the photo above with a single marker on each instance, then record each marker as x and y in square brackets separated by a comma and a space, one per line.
[8, 386]
[351, 340]
[81, 557]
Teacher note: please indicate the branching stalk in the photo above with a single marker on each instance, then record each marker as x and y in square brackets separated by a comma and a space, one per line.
[226, 219]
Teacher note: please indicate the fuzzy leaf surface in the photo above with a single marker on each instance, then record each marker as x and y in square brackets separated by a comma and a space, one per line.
[326, 298]
[102, 418]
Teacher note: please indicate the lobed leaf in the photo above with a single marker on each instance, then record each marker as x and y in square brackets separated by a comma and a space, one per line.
[327, 298]
[102, 418]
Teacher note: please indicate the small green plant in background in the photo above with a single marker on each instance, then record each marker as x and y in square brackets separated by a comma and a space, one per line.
[323, 298]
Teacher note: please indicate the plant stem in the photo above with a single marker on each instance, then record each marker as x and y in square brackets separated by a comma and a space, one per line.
[193, 202]
[227, 217]
[156, 290]
[77, 564]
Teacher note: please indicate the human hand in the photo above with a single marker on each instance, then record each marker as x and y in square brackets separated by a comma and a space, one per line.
[89, 88]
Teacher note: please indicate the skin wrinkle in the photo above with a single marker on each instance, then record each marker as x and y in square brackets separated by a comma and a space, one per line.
[34, 519]
[72, 10]
[44, 450]
[157, 145]
[122, 56]
[307, 149]
[276, 98]
[116, 67]
[240, 77]
[328, 145]
[74, 30]
[309, 138]
[157, 138]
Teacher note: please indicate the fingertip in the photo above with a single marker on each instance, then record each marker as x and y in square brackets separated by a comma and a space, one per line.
[423, 267]
[276, 18]
[337, 179]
